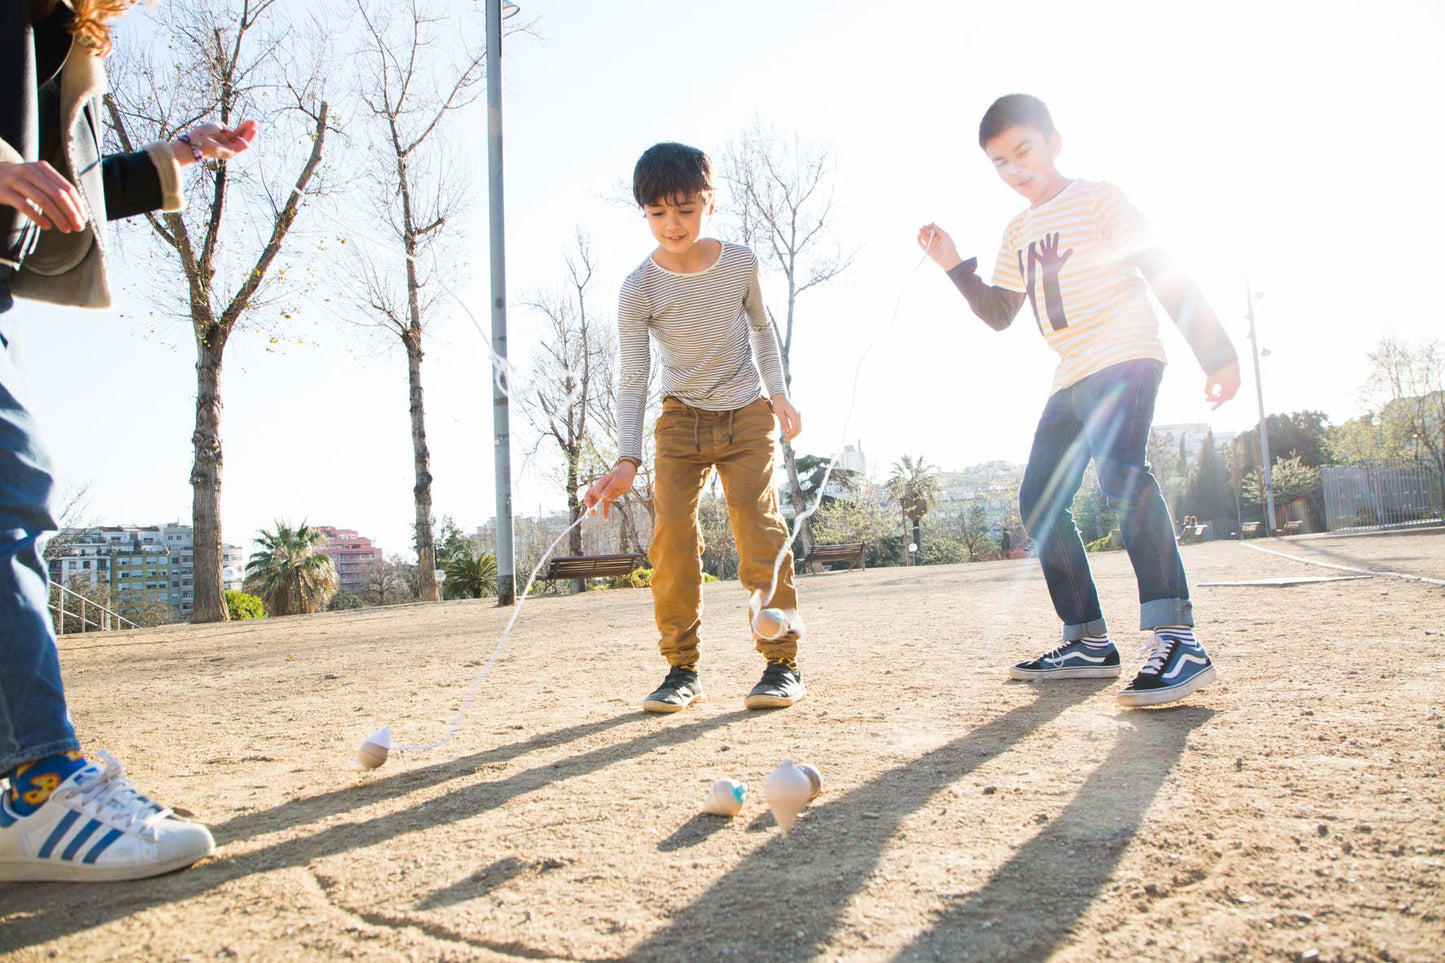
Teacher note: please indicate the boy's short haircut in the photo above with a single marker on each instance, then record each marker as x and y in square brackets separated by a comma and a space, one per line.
[671, 172]
[1014, 110]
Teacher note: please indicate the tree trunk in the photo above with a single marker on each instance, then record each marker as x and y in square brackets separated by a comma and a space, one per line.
[907, 555]
[209, 594]
[574, 512]
[918, 535]
[426, 575]
[799, 500]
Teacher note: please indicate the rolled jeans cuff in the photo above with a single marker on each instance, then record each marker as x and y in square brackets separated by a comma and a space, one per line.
[1096, 629]
[1159, 612]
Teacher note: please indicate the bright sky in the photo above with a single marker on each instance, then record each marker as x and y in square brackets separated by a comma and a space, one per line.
[1286, 141]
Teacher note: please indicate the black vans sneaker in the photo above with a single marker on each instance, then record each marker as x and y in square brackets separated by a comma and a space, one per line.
[678, 691]
[1175, 664]
[781, 685]
[1081, 659]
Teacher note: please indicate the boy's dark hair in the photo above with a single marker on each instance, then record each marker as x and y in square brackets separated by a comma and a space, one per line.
[671, 172]
[1014, 110]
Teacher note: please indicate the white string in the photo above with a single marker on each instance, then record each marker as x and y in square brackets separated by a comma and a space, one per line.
[502, 375]
[461, 713]
[757, 602]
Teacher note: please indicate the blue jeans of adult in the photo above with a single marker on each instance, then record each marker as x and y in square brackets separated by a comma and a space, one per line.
[34, 721]
[1104, 417]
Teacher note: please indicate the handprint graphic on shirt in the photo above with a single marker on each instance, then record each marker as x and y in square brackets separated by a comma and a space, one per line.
[1045, 254]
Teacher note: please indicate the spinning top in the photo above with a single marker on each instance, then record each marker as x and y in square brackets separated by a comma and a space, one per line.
[787, 790]
[814, 776]
[770, 624]
[375, 748]
[725, 798]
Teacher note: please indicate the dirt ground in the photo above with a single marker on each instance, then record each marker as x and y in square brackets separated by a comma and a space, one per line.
[1291, 811]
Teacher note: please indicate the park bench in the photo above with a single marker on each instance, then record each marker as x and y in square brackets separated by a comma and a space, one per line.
[591, 566]
[1291, 528]
[1192, 533]
[850, 552]
[1250, 529]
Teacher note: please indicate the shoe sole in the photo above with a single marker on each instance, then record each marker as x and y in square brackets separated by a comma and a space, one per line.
[1154, 697]
[649, 706]
[771, 702]
[61, 872]
[1081, 672]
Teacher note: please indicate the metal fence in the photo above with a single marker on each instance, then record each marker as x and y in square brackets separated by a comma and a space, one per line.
[73, 612]
[1372, 497]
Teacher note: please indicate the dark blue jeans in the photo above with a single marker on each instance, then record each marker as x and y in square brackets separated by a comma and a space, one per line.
[1106, 417]
[33, 717]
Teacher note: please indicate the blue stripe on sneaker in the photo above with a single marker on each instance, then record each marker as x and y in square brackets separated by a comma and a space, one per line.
[7, 818]
[101, 846]
[58, 834]
[79, 840]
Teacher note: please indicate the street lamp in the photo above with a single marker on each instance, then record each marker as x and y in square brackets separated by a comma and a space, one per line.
[497, 11]
[1263, 421]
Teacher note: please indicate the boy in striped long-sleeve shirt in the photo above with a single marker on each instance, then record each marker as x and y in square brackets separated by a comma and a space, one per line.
[698, 301]
[1082, 257]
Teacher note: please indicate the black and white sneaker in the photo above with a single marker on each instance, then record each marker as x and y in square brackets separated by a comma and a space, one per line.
[1175, 664]
[1081, 659]
[781, 685]
[678, 691]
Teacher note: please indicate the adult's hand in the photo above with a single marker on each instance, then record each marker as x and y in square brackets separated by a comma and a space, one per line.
[214, 141]
[39, 192]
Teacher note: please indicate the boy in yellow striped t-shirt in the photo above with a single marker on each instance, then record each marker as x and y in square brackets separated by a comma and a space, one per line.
[1082, 257]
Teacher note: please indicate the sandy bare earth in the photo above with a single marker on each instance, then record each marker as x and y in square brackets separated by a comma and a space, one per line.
[1293, 810]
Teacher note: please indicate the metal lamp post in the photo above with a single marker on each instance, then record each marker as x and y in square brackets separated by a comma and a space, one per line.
[1263, 421]
[497, 11]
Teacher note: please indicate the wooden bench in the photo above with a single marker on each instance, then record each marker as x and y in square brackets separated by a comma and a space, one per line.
[591, 566]
[1192, 533]
[1291, 528]
[1249, 529]
[850, 552]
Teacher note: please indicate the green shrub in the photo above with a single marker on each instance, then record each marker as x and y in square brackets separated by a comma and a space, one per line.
[243, 606]
[1111, 542]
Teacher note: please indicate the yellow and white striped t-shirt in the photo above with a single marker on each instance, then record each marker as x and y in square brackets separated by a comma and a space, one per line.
[1070, 258]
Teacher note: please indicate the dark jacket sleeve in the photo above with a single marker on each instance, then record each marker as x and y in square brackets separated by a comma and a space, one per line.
[997, 306]
[19, 139]
[1185, 304]
[132, 185]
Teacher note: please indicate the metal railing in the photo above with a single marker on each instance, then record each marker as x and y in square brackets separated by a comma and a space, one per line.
[104, 619]
[1375, 497]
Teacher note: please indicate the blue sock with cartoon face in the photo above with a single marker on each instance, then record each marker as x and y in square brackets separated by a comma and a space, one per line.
[32, 783]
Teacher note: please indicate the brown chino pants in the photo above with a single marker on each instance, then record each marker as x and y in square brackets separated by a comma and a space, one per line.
[691, 442]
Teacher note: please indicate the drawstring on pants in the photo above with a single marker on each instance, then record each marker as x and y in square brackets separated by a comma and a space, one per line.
[697, 427]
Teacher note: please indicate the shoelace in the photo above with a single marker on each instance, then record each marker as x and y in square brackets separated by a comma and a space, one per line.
[1155, 653]
[1056, 654]
[110, 797]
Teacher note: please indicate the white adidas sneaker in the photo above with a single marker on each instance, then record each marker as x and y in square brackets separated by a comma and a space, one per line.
[97, 827]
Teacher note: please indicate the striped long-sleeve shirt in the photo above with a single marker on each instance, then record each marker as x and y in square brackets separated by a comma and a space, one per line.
[1078, 260]
[714, 343]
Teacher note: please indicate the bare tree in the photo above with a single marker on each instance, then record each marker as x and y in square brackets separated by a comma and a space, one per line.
[227, 59]
[785, 192]
[1408, 377]
[74, 517]
[417, 72]
[565, 379]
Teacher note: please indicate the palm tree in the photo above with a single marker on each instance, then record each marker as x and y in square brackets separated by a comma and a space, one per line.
[288, 574]
[915, 487]
[471, 575]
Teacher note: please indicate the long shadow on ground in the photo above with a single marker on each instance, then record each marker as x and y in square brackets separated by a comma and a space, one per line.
[1029, 905]
[806, 880]
[41, 912]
